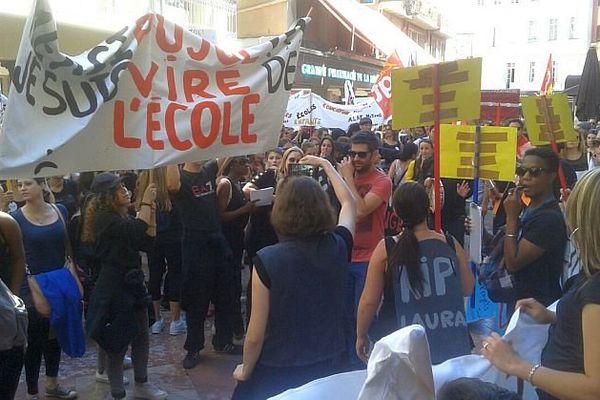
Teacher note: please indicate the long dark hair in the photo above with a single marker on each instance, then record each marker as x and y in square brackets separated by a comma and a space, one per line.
[411, 204]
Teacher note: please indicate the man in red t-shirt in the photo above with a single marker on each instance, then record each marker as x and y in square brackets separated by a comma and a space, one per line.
[372, 190]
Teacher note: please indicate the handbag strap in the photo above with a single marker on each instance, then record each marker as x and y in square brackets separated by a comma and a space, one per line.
[68, 248]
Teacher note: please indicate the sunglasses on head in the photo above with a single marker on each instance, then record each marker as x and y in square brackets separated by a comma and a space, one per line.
[360, 154]
[533, 171]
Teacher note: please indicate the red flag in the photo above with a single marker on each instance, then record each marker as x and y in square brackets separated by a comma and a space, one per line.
[382, 89]
[548, 82]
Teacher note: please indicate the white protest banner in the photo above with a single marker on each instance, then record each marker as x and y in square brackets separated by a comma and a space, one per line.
[307, 108]
[152, 94]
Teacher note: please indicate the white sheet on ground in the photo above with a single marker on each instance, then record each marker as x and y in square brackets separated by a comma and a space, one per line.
[527, 337]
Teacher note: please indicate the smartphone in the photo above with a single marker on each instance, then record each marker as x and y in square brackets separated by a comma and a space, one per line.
[303, 170]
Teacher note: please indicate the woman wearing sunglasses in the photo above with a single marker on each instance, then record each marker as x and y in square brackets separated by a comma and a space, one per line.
[536, 235]
[570, 362]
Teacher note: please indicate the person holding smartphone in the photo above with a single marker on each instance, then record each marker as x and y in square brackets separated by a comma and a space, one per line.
[297, 285]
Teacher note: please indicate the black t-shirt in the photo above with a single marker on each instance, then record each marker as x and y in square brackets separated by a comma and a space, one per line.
[68, 197]
[581, 164]
[196, 199]
[260, 232]
[454, 204]
[564, 349]
[545, 228]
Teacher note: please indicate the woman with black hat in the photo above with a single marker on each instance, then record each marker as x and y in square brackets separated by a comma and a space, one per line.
[117, 315]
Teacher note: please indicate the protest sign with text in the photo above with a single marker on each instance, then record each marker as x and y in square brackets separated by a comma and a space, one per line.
[152, 94]
[307, 108]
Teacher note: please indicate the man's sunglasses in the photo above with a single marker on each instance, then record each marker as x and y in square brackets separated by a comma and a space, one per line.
[360, 154]
[533, 171]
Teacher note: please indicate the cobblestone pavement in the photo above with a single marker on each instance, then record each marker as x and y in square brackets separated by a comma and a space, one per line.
[210, 380]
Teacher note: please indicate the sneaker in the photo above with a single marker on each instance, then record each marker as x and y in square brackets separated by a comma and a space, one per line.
[103, 378]
[148, 391]
[238, 340]
[32, 396]
[177, 327]
[157, 327]
[229, 348]
[127, 362]
[191, 360]
[60, 393]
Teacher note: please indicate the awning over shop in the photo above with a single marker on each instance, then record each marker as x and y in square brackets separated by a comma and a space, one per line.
[379, 30]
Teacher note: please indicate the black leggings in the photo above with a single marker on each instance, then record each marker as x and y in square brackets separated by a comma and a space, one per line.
[11, 363]
[165, 254]
[38, 344]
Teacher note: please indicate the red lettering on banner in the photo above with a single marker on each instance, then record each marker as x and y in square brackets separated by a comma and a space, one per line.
[152, 126]
[199, 139]
[177, 144]
[227, 59]
[199, 89]
[248, 118]
[246, 56]
[201, 53]
[227, 138]
[229, 88]
[159, 118]
[119, 129]
[143, 85]
[139, 31]
[161, 37]
[171, 83]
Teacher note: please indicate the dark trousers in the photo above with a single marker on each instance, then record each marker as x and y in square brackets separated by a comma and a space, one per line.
[207, 277]
[236, 244]
[11, 364]
[267, 382]
[39, 344]
[165, 254]
[139, 357]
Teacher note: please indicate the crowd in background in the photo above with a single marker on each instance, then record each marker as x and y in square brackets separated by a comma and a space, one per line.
[341, 250]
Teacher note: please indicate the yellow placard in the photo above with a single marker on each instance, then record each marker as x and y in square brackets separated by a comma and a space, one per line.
[459, 94]
[497, 152]
[560, 120]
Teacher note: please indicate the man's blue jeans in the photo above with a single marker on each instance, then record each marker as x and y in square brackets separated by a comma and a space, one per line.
[357, 275]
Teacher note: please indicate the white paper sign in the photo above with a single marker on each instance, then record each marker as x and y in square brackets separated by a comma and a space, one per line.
[152, 94]
[307, 108]
[262, 197]
[476, 235]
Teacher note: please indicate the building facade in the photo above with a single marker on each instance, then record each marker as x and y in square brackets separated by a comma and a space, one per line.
[80, 28]
[341, 43]
[421, 20]
[516, 37]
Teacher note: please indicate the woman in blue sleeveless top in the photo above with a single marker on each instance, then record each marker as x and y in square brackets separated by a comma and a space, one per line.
[295, 334]
[422, 276]
[44, 242]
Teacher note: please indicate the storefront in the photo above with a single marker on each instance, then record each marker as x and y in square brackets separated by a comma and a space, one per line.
[325, 74]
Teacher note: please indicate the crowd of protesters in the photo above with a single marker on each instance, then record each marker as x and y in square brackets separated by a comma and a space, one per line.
[336, 227]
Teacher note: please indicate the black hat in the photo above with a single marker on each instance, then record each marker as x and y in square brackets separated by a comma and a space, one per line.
[365, 120]
[104, 182]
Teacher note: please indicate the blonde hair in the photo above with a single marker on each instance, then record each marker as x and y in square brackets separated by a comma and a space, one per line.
[583, 219]
[159, 177]
[283, 165]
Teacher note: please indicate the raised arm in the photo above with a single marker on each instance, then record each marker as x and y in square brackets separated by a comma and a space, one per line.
[347, 217]
[173, 179]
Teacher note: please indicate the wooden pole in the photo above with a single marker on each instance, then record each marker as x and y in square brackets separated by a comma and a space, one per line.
[436, 148]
